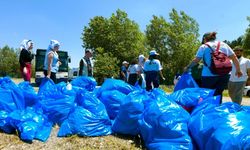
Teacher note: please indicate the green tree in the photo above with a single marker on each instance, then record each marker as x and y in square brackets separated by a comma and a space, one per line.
[9, 63]
[104, 66]
[234, 43]
[176, 41]
[246, 40]
[116, 37]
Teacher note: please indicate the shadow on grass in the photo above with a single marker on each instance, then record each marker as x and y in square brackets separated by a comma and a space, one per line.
[137, 140]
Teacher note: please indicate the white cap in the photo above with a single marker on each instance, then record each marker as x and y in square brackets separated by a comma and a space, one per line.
[153, 52]
[125, 62]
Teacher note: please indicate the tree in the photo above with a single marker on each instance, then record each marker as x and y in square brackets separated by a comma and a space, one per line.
[234, 43]
[117, 38]
[9, 62]
[246, 41]
[104, 66]
[176, 41]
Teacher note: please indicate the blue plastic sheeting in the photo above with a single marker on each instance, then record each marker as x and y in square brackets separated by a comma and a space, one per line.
[85, 123]
[114, 84]
[16, 94]
[112, 100]
[30, 96]
[31, 124]
[130, 112]
[186, 81]
[190, 97]
[87, 83]
[225, 126]
[164, 124]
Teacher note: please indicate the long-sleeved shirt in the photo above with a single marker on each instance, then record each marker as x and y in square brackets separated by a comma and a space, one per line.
[25, 56]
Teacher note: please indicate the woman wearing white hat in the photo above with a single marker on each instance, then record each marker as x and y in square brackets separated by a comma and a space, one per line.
[152, 68]
[25, 59]
[51, 61]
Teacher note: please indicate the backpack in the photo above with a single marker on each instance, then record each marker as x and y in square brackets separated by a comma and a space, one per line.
[220, 63]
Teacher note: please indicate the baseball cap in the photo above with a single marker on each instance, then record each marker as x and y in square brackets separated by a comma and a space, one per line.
[153, 52]
[125, 62]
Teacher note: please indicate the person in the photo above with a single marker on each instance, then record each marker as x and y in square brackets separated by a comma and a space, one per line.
[133, 72]
[86, 64]
[51, 61]
[152, 69]
[25, 59]
[123, 71]
[210, 80]
[141, 62]
[236, 85]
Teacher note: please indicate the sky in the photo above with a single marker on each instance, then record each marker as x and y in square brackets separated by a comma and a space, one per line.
[64, 20]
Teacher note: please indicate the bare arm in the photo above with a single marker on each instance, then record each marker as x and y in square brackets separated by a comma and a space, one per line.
[195, 61]
[50, 57]
[236, 64]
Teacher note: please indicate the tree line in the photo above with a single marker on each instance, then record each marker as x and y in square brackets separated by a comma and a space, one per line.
[118, 38]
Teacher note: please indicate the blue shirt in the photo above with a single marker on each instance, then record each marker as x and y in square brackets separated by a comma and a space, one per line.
[204, 52]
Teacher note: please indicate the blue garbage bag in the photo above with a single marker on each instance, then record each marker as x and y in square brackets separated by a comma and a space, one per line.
[48, 88]
[186, 81]
[207, 118]
[188, 98]
[232, 133]
[17, 94]
[89, 101]
[4, 123]
[7, 100]
[85, 82]
[112, 99]
[85, 123]
[28, 123]
[30, 95]
[114, 84]
[131, 109]
[164, 125]
[57, 109]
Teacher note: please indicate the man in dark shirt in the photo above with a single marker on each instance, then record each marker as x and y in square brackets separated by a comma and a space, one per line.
[25, 59]
[86, 64]
[123, 71]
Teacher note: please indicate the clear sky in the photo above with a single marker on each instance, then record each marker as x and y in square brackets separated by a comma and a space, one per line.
[63, 20]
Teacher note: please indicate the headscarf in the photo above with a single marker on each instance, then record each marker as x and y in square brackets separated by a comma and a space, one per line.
[25, 44]
[52, 44]
[141, 59]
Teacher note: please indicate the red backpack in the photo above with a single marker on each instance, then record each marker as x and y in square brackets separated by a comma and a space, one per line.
[220, 63]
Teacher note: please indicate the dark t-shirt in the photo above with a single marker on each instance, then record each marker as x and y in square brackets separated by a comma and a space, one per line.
[124, 70]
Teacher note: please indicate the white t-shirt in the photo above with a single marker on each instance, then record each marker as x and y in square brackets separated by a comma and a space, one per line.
[244, 65]
[204, 52]
[133, 69]
[153, 65]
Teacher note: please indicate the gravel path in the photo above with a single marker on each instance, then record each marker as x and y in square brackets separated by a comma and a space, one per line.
[245, 101]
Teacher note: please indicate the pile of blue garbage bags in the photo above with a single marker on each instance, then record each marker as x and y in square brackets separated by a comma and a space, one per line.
[189, 118]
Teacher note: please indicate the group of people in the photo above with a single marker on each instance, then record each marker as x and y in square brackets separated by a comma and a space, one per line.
[51, 61]
[145, 72]
[235, 81]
